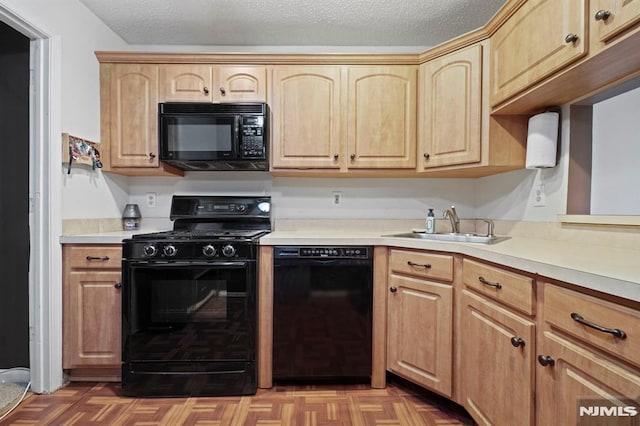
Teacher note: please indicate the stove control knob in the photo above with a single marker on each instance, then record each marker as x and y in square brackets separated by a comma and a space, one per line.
[169, 250]
[228, 250]
[150, 250]
[209, 250]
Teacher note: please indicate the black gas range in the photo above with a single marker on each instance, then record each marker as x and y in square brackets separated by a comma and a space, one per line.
[189, 300]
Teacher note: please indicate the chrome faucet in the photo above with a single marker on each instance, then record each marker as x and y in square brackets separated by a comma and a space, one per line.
[453, 218]
[490, 227]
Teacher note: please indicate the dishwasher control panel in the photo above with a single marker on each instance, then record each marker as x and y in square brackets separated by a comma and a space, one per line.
[342, 252]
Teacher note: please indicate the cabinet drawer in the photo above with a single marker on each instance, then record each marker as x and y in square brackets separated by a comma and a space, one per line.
[511, 289]
[562, 305]
[95, 257]
[425, 265]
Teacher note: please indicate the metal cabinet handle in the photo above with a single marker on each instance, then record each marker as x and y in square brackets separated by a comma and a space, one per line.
[602, 15]
[517, 342]
[223, 92]
[118, 285]
[152, 155]
[546, 360]
[353, 156]
[393, 289]
[336, 156]
[489, 283]
[615, 331]
[571, 38]
[103, 258]
[205, 90]
[426, 155]
[423, 265]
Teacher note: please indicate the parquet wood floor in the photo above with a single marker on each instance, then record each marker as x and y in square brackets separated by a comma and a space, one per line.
[100, 404]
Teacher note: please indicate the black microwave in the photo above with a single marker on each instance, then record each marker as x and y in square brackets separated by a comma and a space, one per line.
[207, 136]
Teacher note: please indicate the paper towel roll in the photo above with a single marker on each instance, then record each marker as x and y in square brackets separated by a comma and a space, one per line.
[542, 140]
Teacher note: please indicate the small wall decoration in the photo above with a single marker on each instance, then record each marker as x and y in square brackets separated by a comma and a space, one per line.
[81, 151]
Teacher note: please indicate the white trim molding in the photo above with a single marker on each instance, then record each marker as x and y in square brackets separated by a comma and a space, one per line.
[45, 213]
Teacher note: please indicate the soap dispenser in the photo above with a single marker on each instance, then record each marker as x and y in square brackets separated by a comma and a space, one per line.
[430, 227]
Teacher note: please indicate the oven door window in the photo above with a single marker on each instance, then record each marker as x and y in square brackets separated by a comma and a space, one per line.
[194, 312]
[198, 137]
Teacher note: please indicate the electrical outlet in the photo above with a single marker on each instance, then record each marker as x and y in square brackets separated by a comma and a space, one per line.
[151, 199]
[539, 199]
[337, 198]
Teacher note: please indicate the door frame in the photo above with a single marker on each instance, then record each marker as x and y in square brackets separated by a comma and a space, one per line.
[45, 201]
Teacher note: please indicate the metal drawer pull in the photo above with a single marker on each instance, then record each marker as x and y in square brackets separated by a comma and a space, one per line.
[545, 360]
[90, 258]
[489, 283]
[393, 289]
[602, 15]
[424, 265]
[517, 341]
[118, 285]
[571, 38]
[615, 331]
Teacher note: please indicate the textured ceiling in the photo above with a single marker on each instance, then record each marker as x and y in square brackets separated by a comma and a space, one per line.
[420, 23]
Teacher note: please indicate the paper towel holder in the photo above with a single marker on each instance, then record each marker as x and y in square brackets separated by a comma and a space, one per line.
[543, 134]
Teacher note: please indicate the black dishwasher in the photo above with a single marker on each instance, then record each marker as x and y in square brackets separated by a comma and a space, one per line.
[322, 313]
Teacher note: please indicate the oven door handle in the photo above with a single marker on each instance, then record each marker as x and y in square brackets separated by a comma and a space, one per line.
[212, 265]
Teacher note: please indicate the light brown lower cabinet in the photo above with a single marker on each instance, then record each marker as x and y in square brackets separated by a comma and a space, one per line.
[588, 358]
[573, 376]
[497, 362]
[420, 318]
[420, 332]
[92, 310]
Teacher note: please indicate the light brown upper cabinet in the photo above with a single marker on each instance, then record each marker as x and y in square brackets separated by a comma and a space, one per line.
[456, 135]
[338, 118]
[306, 121]
[381, 118]
[206, 83]
[612, 17]
[129, 120]
[541, 37]
[134, 106]
[449, 109]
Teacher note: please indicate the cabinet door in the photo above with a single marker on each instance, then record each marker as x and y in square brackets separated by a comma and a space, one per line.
[94, 327]
[612, 17]
[450, 109]
[186, 83]
[581, 378]
[306, 112]
[134, 116]
[534, 43]
[420, 332]
[242, 84]
[497, 378]
[381, 119]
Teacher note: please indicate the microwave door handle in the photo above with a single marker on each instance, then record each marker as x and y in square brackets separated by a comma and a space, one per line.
[236, 135]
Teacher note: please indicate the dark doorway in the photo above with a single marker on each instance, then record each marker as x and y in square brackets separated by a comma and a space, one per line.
[14, 193]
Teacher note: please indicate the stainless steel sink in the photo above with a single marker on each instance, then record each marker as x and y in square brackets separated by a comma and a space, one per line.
[451, 236]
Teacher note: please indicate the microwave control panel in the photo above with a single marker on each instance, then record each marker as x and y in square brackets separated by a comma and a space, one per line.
[253, 145]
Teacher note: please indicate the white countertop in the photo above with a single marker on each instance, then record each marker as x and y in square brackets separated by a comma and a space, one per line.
[614, 271]
[609, 270]
[115, 237]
